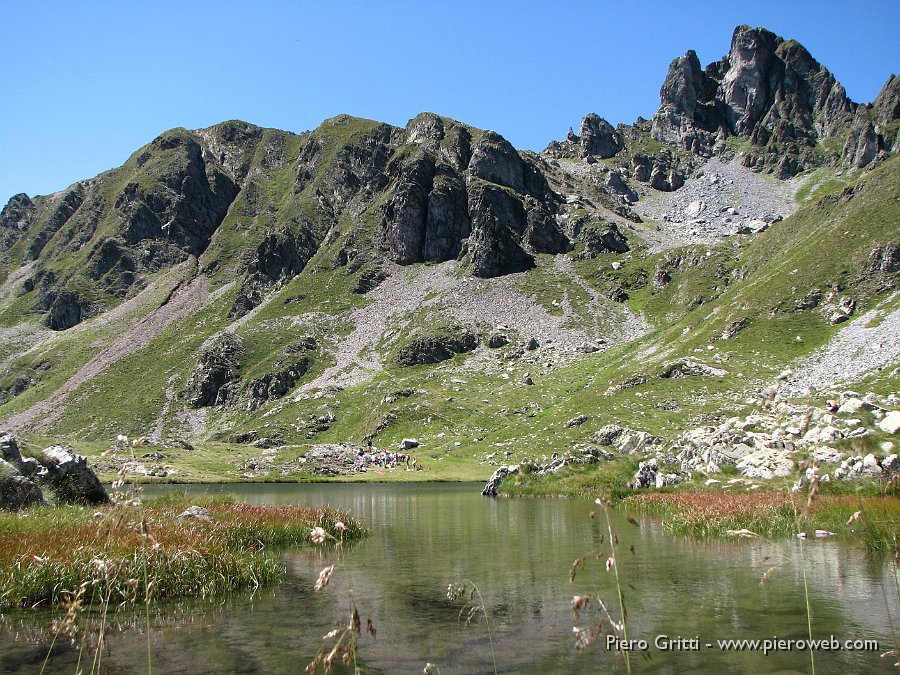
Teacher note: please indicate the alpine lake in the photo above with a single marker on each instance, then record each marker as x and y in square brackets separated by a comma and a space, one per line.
[683, 596]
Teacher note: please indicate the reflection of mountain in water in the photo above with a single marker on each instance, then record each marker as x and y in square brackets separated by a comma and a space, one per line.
[519, 552]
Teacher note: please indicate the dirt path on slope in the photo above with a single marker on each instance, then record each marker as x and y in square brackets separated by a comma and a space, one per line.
[184, 299]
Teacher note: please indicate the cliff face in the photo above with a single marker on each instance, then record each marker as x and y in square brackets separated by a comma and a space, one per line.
[259, 203]
[767, 90]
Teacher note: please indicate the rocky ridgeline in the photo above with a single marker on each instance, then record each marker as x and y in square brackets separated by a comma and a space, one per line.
[64, 474]
[773, 93]
[436, 190]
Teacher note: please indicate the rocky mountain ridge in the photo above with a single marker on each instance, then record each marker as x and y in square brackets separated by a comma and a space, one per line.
[437, 190]
[768, 97]
[253, 287]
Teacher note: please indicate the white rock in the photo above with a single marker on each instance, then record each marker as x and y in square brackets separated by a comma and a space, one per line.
[850, 406]
[891, 422]
[694, 208]
[827, 455]
[766, 464]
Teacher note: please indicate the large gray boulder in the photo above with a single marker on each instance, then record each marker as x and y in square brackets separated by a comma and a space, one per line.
[490, 489]
[599, 138]
[67, 474]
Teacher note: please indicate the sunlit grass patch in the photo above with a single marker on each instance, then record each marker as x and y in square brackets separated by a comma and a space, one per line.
[127, 553]
[769, 514]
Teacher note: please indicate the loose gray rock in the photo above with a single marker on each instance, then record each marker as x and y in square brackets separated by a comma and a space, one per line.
[195, 513]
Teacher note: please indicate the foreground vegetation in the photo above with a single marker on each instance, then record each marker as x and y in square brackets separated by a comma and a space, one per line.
[133, 552]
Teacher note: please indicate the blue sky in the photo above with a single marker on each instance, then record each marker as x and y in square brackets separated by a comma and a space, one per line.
[87, 83]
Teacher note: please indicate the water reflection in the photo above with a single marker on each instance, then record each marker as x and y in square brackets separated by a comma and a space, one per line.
[519, 553]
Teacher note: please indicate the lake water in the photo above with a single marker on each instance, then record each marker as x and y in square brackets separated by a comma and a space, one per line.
[519, 553]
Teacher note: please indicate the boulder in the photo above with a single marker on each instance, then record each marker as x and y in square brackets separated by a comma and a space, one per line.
[667, 480]
[850, 406]
[409, 443]
[890, 423]
[690, 368]
[625, 440]
[602, 238]
[9, 450]
[767, 463]
[646, 475]
[16, 491]
[497, 340]
[70, 479]
[490, 489]
[577, 421]
[196, 513]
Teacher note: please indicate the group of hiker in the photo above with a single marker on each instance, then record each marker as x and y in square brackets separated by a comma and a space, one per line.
[370, 456]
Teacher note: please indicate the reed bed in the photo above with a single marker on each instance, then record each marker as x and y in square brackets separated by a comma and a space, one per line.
[874, 521]
[130, 553]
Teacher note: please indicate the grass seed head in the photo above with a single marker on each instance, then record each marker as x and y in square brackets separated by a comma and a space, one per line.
[324, 578]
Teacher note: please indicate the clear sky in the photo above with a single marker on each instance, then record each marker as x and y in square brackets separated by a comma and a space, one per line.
[87, 83]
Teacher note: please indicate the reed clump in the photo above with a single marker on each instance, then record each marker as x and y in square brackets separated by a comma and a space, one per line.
[770, 514]
[134, 552]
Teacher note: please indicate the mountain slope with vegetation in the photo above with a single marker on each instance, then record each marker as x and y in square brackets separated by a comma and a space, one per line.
[247, 299]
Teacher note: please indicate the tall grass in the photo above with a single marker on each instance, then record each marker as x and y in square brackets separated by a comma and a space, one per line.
[772, 515]
[128, 554]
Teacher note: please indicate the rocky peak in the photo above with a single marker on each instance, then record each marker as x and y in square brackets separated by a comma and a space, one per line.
[887, 104]
[494, 159]
[232, 145]
[767, 89]
[17, 212]
[598, 138]
[425, 129]
[752, 73]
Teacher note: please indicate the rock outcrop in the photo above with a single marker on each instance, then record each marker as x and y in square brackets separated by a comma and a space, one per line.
[598, 138]
[494, 211]
[767, 90]
[59, 470]
[218, 366]
[70, 478]
[437, 347]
